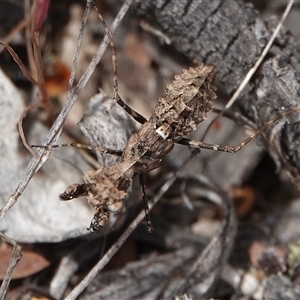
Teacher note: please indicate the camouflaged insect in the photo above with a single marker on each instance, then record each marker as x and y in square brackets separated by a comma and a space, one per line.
[185, 104]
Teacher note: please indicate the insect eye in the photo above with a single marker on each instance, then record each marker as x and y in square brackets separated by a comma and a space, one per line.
[74, 191]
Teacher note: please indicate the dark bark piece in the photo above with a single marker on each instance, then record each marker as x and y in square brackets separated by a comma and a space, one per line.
[219, 33]
[230, 36]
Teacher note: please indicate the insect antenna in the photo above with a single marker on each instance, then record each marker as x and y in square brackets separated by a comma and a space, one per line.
[69, 163]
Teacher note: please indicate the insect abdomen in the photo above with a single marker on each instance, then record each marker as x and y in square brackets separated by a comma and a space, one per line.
[186, 101]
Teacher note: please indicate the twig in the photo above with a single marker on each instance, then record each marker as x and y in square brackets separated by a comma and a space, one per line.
[78, 44]
[30, 15]
[15, 257]
[261, 57]
[18, 62]
[38, 68]
[20, 127]
[9, 37]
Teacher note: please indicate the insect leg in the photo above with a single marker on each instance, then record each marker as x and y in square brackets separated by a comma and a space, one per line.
[149, 225]
[215, 147]
[135, 115]
[88, 147]
[234, 149]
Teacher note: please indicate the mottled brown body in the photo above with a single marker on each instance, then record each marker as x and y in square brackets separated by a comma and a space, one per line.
[185, 104]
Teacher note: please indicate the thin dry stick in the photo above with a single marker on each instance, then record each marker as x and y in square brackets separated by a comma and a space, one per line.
[261, 57]
[55, 130]
[15, 257]
[34, 35]
[29, 13]
[20, 126]
[116, 246]
[18, 61]
[9, 37]
[39, 70]
[78, 45]
[255, 67]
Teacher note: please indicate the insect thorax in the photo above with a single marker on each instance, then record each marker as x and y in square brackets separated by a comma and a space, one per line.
[107, 188]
